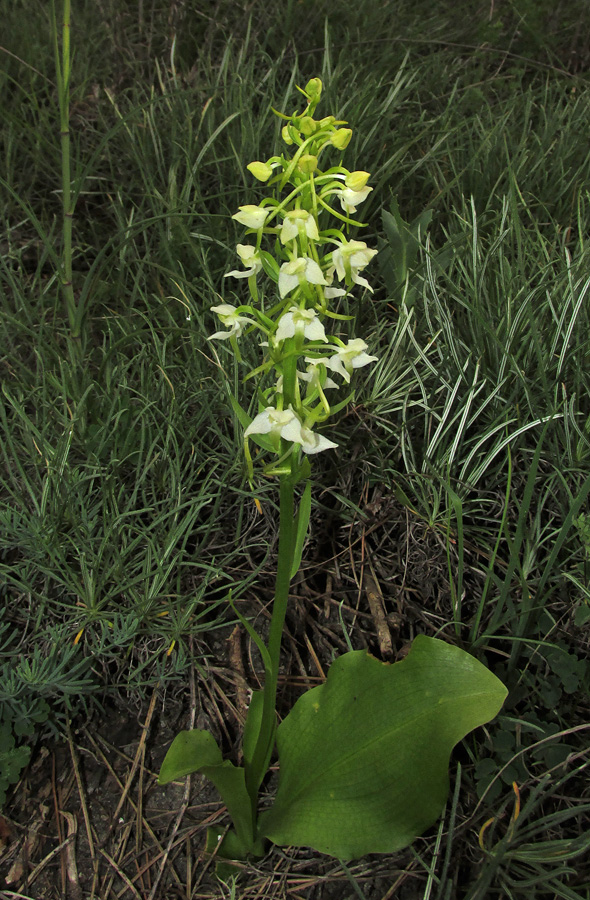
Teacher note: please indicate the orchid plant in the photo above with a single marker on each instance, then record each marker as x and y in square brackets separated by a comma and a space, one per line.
[363, 758]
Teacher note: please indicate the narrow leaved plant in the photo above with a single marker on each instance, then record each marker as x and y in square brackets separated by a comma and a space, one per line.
[363, 759]
[63, 69]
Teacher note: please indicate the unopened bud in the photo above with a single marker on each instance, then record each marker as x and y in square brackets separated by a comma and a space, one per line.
[327, 120]
[313, 88]
[356, 180]
[261, 171]
[286, 135]
[307, 126]
[341, 138]
[307, 163]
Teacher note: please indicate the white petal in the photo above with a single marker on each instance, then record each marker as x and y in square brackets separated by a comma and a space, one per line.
[313, 273]
[338, 260]
[311, 229]
[287, 283]
[314, 443]
[362, 281]
[315, 331]
[260, 424]
[363, 359]
[220, 336]
[286, 327]
[245, 273]
[289, 231]
[336, 365]
[292, 431]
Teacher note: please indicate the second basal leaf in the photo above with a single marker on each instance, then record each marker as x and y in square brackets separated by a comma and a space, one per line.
[364, 757]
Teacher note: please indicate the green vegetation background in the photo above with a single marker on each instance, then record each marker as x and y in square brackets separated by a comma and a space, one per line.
[125, 517]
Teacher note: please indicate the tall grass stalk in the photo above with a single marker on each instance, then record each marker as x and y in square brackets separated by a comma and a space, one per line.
[63, 70]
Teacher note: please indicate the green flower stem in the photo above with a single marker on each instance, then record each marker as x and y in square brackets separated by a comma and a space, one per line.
[256, 771]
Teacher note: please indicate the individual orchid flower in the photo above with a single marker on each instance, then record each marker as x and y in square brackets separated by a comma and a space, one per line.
[349, 199]
[284, 423]
[250, 258]
[272, 421]
[354, 191]
[348, 357]
[313, 375]
[349, 258]
[298, 271]
[251, 216]
[232, 319]
[313, 443]
[296, 222]
[310, 443]
[300, 321]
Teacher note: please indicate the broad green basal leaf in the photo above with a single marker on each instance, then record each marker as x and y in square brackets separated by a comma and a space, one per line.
[364, 757]
[197, 751]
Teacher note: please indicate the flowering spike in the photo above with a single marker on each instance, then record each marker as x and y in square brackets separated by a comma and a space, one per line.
[310, 257]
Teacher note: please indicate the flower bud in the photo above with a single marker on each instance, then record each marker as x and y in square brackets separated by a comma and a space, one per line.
[313, 88]
[251, 216]
[261, 171]
[341, 138]
[286, 135]
[307, 126]
[327, 120]
[356, 180]
[307, 163]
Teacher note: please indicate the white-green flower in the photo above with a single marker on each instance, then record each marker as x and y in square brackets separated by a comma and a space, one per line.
[310, 442]
[349, 199]
[349, 258]
[272, 421]
[300, 321]
[298, 271]
[251, 216]
[232, 319]
[297, 222]
[345, 359]
[250, 258]
[313, 443]
[284, 423]
[313, 375]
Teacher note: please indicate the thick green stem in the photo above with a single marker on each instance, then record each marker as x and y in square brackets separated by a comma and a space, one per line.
[256, 771]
